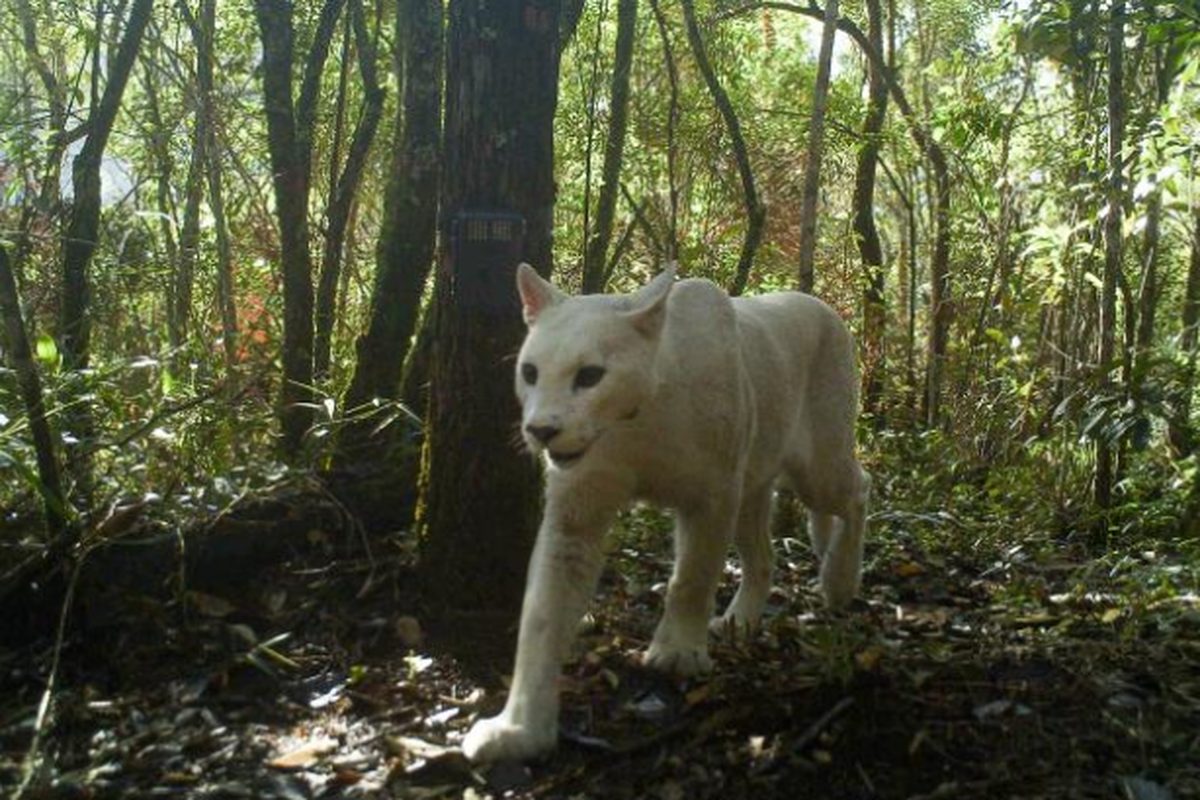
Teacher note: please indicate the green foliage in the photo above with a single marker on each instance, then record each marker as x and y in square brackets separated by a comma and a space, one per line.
[1013, 95]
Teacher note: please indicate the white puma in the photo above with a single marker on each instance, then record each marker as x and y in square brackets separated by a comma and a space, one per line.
[681, 396]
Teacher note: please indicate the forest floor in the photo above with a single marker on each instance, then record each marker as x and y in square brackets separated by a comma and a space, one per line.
[973, 667]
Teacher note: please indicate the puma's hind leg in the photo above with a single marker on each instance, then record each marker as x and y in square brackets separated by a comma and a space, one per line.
[836, 498]
[821, 530]
[841, 567]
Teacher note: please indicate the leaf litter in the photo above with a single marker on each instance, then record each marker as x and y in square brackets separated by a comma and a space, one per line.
[952, 677]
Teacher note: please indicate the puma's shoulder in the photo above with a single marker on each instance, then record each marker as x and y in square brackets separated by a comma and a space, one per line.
[702, 328]
[699, 301]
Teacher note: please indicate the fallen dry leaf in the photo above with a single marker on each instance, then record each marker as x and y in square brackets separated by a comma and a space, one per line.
[306, 755]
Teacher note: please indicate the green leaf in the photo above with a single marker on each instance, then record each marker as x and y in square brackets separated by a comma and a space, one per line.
[47, 350]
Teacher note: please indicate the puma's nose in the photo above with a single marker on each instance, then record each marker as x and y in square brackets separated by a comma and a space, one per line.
[543, 433]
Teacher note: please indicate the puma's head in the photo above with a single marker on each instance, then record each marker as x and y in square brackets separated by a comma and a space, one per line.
[587, 364]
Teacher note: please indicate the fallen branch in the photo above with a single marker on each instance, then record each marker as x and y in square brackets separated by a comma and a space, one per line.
[810, 733]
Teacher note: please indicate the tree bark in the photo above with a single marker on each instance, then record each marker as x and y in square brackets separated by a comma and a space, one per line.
[1112, 239]
[406, 242]
[866, 233]
[479, 504]
[289, 139]
[816, 147]
[595, 257]
[756, 212]
[347, 187]
[17, 344]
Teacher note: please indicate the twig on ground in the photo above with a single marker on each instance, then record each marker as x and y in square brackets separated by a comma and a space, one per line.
[35, 766]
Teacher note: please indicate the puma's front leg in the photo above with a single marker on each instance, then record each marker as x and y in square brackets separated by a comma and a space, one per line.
[680, 642]
[562, 577]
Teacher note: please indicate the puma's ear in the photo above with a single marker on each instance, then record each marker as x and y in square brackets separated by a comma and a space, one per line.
[537, 293]
[648, 307]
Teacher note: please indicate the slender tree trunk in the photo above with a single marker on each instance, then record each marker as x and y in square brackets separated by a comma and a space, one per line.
[671, 249]
[591, 92]
[46, 203]
[346, 189]
[756, 212]
[595, 257]
[406, 242]
[816, 146]
[1148, 292]
[83, 230]
[189, 237]
[996, 293]
[326, 301]
[1182, 436]
[414, 383]
[479, 508]
[159, 145]
[203, 32]
[289, 139]
[866, 233]
[17, 345]
[941, 311]
[1112, 236]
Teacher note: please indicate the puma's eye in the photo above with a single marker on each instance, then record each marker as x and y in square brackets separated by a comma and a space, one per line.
[587, 377]
[529, 373]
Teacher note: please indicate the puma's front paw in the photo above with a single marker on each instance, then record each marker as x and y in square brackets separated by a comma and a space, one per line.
[686, 661]
[497, 739]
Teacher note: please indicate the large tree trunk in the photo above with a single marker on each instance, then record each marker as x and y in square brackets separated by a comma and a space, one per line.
[289, 139]
[595, 257]
[1112, 237]
[17, 345]
[479, 507]
[406, 242]
[83, 230]
[816, 146]
[346, 190]
[866, 233]
[756, 212]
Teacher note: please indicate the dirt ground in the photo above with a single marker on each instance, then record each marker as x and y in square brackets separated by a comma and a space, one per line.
[984, 671]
